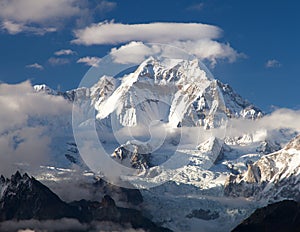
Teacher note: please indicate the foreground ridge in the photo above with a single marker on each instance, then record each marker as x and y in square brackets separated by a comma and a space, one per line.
[25, 198]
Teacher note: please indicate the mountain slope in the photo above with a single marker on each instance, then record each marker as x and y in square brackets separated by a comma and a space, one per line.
[278, 217]
[24, 198]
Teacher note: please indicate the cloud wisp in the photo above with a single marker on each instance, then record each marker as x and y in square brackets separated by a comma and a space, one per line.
[196, 7]
[14, 28]
[273, 64]
[65, 52]
[35, 66]
[89, 61]
[55, 61]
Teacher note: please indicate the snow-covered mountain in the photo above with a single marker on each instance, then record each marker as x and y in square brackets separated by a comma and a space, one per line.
[274, 176]
[179, 92]
[176, 91]
[173, 92]
[207, 168]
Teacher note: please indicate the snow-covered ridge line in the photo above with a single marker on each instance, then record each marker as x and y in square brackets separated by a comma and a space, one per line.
[185, 94]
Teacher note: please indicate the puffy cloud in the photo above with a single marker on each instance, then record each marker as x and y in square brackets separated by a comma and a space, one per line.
[136, 52]
[32, 16]
[273, 64]
[58, 61]
[209, 50]
[35, 65]
[12, 28]
[65, 52]
[37, 11]
[132, 53]
[89, 60]
[23, 137]
[115, 33]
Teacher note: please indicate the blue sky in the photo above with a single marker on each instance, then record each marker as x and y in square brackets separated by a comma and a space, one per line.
[265, 32]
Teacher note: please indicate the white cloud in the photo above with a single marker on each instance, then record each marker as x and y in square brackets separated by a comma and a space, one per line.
[65, 52]
[273, 64]
[115, 33]
[21, 141]
[58, 61]
[33, 15]
[89, 60]
[35, 65]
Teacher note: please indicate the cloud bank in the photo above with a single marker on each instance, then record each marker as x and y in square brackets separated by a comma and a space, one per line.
[195, 38]
[64, 224]
[276, 121]
[24, 138]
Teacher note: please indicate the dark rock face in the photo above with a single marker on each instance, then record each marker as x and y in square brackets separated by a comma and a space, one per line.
[71, 158]
[131, 196]
[278, 217]
[203, 214]
[24, 198]
[137, 158]
[267, 147]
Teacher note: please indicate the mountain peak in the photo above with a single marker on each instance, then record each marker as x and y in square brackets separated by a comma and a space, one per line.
[177, 91]
[44, 89]
[164, 70]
